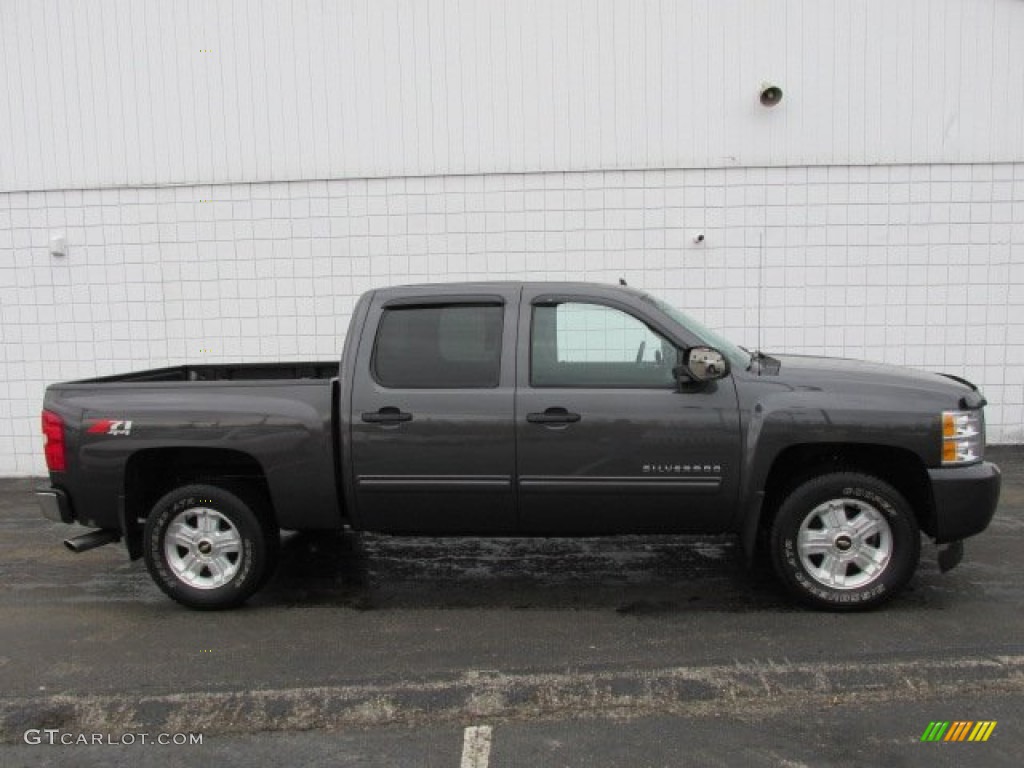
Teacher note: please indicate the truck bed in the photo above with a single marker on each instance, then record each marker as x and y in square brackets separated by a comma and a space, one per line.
[225, 372]
[271, 419]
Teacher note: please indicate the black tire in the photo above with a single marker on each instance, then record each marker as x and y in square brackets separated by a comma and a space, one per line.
[241, 545]
[818, 549]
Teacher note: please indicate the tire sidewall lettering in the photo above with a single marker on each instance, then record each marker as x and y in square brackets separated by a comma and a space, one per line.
[243, 572]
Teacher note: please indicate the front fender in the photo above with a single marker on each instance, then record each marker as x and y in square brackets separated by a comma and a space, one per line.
[786, 419]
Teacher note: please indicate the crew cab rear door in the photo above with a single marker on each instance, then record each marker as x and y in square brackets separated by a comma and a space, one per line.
[607, 441]
[432, 436]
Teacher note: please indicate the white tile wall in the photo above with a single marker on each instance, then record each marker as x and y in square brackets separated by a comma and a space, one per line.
[914, 265]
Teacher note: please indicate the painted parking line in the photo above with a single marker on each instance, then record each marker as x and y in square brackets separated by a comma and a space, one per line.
[476, 746]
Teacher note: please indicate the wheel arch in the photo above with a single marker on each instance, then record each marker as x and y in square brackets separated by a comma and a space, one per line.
[900, 467]
[151, 473]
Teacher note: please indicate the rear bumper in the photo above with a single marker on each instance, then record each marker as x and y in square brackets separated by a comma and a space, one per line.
[965, 500]
[55, 504]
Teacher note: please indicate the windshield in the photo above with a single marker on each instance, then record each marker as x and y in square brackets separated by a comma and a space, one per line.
[736, 355]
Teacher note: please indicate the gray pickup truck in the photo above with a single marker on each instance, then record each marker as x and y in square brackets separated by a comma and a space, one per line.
[525, 409]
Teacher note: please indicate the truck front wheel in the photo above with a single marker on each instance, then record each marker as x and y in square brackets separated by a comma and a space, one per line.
[845, 541]
[207, 548]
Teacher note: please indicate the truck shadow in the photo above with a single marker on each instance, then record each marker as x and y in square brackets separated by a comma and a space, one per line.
[632, 575]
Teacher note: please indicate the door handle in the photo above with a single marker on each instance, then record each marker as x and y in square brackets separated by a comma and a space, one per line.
[387, 415]
[553, 416]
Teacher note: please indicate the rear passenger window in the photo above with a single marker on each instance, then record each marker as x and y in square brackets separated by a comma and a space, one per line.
[435, 347]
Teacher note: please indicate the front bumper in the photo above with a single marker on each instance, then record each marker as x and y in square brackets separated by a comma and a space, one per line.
[55, 504]
[965, 500]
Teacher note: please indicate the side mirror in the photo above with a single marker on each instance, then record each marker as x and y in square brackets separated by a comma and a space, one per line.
[702, 364]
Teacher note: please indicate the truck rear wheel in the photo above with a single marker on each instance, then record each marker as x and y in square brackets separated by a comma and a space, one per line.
[845, 541]
[207, 548]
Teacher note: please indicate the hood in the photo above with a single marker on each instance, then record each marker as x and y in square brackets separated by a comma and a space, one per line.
[834, 373]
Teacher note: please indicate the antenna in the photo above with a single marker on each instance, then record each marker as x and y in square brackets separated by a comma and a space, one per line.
[760, 287]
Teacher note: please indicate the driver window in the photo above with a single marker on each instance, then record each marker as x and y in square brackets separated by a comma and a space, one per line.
[576, 344]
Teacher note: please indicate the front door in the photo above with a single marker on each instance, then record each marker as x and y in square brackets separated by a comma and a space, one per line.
[432, 441]
[607, 442]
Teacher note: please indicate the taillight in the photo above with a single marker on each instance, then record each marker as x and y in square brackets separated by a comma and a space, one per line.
[53, 429]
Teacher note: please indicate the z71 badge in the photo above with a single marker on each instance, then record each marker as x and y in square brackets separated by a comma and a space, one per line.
[110, 427]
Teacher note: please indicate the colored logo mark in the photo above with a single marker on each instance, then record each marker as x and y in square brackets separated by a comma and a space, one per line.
[109, 427]
[959, 730]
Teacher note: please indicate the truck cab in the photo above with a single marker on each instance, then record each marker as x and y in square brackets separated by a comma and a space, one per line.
[540, 409]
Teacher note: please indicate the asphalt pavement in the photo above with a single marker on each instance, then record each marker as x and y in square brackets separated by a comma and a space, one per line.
[382, 651]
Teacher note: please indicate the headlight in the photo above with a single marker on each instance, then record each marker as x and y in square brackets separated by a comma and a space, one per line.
[963, 436]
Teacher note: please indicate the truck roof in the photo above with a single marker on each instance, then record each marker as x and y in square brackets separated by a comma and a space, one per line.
[554, 286]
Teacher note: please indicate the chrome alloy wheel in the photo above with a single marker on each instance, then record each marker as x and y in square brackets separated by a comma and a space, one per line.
[844, 543]
[203, 548]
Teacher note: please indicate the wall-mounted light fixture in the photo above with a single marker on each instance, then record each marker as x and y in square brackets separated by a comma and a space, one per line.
[771, 94]
[58, 245]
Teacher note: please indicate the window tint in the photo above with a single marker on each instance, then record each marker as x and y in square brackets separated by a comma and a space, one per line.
[439, 346]
[589, 345]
